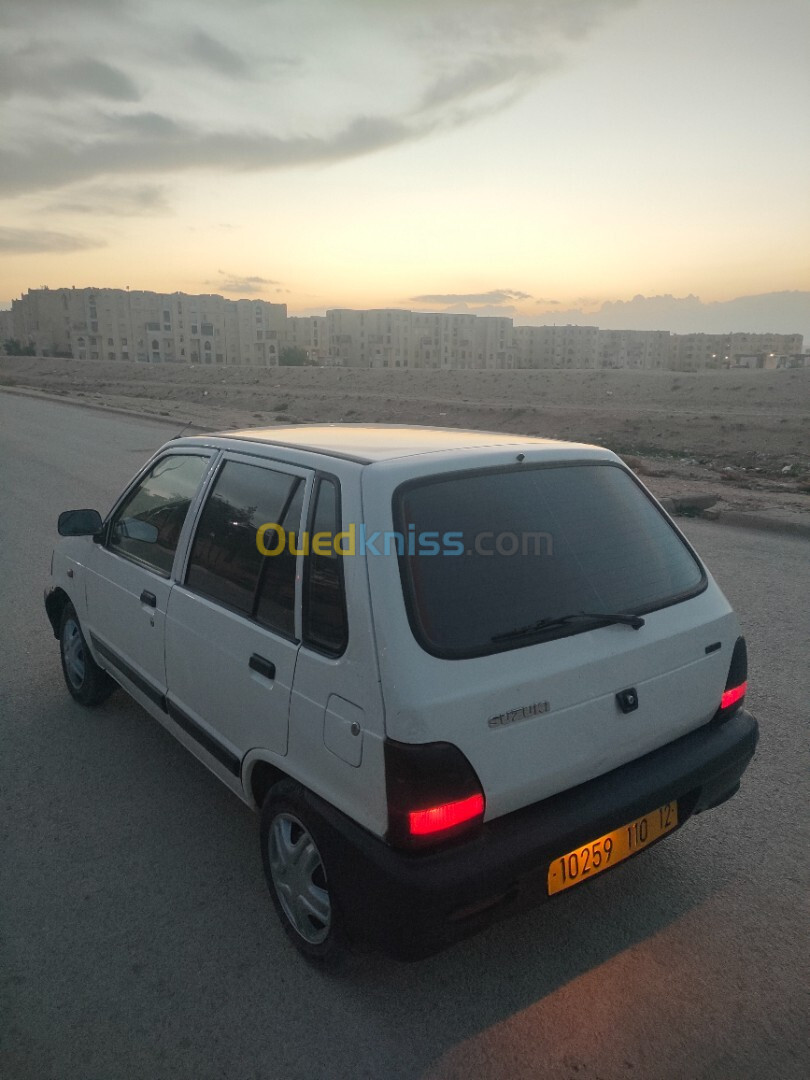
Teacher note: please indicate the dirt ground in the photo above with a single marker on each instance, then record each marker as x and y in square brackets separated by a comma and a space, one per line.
[741, 436]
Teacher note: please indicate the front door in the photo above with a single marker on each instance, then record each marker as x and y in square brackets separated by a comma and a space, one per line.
[129, 575]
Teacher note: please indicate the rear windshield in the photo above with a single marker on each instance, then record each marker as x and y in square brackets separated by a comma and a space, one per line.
[492, 551]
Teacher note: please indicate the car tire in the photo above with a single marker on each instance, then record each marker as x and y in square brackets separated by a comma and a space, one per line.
[295, 854]
[87, 682]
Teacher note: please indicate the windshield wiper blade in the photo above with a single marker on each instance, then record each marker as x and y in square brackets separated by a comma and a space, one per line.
[559, 620]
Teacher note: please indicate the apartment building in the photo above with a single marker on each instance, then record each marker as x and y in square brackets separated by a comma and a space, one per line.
[378, 338]
[6, 326]
[387, 339]
[555, 346]
[766, 348]
[308, 332]
[493, 343]
[345, 337]
[427, 330]
[694, 352]
[43, 318]
[457, 341]
[647, 349]
[148, 327]
[124, 325]
[393, 338]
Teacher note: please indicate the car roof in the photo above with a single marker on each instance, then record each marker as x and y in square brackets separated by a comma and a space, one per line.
[368, 443]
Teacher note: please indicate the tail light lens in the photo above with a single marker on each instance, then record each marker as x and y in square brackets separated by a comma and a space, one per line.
[433, 793]
[733, 696]
[736, 683]
[437, 819]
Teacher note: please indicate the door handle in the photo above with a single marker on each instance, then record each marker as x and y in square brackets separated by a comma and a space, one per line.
[148, 598]
[262, 666]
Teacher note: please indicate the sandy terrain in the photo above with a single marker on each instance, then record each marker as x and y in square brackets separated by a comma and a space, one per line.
[732, 434]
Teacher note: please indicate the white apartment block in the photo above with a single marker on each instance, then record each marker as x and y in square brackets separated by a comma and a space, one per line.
[494, 343]
[308, 332]
[6, 326]
[148, 327]
[43, 317]
[644, 349]
[556, 346]
[766, 348]
[456, 341]
[123, 325]
[386, 338]
[427, 339]
[443, 340]
[380, 338]
[694, 352]
[393, 338]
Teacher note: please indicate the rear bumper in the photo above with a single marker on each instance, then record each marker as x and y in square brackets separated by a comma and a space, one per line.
[412, 905]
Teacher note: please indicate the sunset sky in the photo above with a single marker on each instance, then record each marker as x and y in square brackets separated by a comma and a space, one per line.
[550, 160]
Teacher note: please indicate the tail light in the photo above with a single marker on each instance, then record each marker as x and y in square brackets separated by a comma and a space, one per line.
[736, 683]
[433, 793]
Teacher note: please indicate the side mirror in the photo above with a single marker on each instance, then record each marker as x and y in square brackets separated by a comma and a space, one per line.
[79, 523]
[135, 529]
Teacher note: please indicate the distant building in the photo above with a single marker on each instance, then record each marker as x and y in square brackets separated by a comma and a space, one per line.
[556, 346]
[770, 361]
[493, 343]
[42, 318]
[6, 326]
[694, 352]
[123, 325]
[456, 340]
[176, 328]
[308, 332]
[386, 338]
[648, 350]
[378, 338]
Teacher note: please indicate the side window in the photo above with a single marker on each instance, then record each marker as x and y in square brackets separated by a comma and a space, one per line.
[325, 623]
[275, 605]
[146, 527]
[226, 564]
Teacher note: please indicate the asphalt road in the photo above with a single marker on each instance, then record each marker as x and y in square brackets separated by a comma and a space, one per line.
[138, 939]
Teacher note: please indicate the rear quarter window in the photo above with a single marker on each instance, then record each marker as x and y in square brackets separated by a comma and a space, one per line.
[325, 620]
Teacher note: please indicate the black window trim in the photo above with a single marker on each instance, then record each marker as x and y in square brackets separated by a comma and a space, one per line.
[104, 536]
[552, 634]
[297, 472]
[314, 491]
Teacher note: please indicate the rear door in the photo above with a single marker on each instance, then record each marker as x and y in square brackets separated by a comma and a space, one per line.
[233, 628]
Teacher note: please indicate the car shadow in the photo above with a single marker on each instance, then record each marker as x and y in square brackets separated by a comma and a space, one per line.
[147, 889]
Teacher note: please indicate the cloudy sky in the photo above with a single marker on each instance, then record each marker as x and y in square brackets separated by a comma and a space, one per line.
[621, 162]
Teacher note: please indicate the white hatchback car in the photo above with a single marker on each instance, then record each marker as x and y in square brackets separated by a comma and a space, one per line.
[457, 672]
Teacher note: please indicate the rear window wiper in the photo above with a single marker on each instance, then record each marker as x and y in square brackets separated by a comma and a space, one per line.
[559, 620]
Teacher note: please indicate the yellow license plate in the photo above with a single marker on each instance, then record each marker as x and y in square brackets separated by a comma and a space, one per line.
[597, 855]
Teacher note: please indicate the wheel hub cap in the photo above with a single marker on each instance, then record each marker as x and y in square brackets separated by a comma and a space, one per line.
[73, 653]
[300, 878]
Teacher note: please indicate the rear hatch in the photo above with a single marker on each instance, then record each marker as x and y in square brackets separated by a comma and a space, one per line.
[471, 651]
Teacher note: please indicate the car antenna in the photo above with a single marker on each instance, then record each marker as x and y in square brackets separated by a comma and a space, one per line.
[181, 431]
